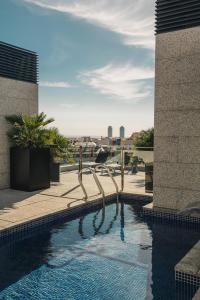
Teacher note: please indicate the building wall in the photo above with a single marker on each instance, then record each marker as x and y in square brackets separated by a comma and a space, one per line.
[15, 97]
[110, 131]
[177, 119]
[122, 132]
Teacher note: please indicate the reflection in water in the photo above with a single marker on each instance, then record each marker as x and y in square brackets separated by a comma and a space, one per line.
[165, 258]
[122, 223]
[102, 220]
[80, 227]
[143, 261]
[114, 218]
[97, 228]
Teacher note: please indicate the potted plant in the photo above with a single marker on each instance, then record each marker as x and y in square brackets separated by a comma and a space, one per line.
[134, 164]
[61, 150]
[149, 177]
[30, 152]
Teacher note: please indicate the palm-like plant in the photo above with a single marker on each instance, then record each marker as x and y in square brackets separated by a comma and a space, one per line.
[29, 131]
[61, 147]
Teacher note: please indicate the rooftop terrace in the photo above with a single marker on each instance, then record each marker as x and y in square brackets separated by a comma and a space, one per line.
[17, 207]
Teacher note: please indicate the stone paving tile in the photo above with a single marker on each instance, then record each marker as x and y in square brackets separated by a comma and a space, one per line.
[9, 198]
[75, 203]
[4, 224]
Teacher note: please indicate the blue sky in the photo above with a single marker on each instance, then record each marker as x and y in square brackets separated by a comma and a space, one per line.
[96, 60]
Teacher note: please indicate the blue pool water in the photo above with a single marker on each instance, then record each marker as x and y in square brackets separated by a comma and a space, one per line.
[116, 255]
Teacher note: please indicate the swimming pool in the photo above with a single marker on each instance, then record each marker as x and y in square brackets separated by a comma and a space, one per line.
[111, 254]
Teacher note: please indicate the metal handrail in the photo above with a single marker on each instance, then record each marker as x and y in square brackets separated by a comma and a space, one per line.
[100, 188]
[111, 176]
[122, 169]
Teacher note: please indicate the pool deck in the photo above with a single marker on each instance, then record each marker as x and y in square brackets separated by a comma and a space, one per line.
[17, 207]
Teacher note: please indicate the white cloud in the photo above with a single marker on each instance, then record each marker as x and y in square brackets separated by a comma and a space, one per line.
[132, 19]
[55, 84]
[121, 82]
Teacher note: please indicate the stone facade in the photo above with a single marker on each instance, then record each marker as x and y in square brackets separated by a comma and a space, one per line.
[15, 97]
[177, 119]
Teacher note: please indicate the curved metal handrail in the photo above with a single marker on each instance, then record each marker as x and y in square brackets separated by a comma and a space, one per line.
[117, 191]
[111, 176]
[100, 188]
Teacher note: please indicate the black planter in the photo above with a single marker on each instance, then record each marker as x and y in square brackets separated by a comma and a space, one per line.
[55, 172]
[29, 169]
[149, 178]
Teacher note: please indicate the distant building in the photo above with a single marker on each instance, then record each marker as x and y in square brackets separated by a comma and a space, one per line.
[104, 141]
[87, 139]
[127, 143]
[110, 131]
[122, 132]
[117, 142]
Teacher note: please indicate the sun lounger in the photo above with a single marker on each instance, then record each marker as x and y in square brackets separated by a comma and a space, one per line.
[100, 159]
[113, 167]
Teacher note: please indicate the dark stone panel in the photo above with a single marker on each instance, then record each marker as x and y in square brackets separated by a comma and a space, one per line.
[17, 63]
[174, 15]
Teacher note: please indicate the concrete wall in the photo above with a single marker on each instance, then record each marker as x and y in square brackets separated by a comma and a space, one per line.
[177, 119]
[15, 97]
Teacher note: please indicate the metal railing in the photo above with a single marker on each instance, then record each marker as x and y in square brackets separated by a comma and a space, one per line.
[111, 176]
[123, 160]
[122, 169]
[100, 188]
[80, 179]
[97, 180]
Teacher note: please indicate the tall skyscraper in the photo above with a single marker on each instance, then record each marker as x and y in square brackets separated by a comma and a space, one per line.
[110, 131]
[122, 132]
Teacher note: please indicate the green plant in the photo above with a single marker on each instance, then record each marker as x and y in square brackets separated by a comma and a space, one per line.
[61, 147]
[134, 164]
[144, 139]
[29, 131]
[134, 160]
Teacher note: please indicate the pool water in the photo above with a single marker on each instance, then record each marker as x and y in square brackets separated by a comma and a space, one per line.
[111, 254]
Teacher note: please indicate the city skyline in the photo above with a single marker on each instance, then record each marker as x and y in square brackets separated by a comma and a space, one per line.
[96, 60]
[115, 133]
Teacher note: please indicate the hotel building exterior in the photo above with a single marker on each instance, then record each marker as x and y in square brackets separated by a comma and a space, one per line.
[18, 94]
[177, 104]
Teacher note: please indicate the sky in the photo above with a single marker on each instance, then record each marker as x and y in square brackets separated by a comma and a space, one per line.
[96, 60]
